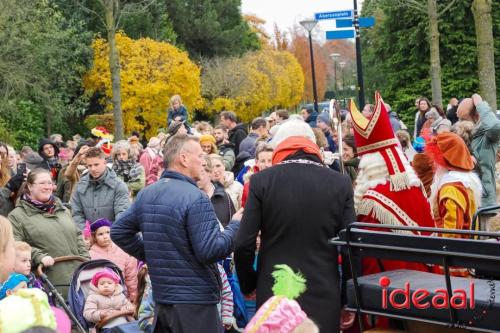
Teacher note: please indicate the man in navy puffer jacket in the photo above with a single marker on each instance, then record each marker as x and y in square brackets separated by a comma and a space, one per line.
[181, 242]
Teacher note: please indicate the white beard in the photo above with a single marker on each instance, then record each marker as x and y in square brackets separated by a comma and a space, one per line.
[373, 171]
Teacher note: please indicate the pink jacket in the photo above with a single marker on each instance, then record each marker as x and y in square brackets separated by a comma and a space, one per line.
[126, 263]
[97, 303]
[151, 163]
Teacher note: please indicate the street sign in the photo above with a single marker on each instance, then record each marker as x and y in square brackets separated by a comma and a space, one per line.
[333, 15]
[364, 22]
[340, 34]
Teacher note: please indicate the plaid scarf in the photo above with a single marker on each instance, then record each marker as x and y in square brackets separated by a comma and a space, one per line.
[128, 170]
[48, 207]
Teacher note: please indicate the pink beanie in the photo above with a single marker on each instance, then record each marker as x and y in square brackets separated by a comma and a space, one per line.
[105, 273]
[277, 315]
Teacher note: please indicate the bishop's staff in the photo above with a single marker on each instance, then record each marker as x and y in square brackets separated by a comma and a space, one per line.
[337, 121]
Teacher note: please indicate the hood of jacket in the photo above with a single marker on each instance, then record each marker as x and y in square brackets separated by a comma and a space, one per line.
[44, 142]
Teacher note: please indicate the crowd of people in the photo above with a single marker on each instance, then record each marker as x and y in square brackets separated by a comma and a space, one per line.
[198, 218]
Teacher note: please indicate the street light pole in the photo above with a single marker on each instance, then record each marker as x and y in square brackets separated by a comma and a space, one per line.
[359, 64]
[309, 26]
[334, 56]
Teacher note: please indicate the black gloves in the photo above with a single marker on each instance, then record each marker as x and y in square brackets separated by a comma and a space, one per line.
[15, 182]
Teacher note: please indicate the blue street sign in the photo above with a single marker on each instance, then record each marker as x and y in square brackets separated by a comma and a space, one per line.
[333, 15]
[340, 34]
[343, 23]
[364, 22]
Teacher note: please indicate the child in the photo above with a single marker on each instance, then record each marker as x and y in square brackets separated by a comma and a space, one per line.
[177, 112]
[106, 300]
[281, 313]
[226, 304]
[23, 264]
[104, 248]
[14, 283]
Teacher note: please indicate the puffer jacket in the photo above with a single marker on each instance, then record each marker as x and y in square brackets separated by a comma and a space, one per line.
[95, 199]
[484, 145]
[52, 235]
[97, 303]
[181, 240]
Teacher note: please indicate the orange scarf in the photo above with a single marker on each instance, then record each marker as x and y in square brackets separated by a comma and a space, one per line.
[292, 145]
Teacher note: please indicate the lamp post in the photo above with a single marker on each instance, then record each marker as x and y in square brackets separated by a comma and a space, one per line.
[309, 26]
[342, 66]
[334, 57]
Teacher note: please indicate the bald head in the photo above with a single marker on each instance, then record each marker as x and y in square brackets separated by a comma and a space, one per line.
[465, 109]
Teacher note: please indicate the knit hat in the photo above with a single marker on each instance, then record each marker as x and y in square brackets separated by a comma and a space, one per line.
[207, 138]
[12, 282]
[105, 273]
[280, 313]
[293, 127]
[25, 309]
[450, 151]
[324, 117]
[100, 223]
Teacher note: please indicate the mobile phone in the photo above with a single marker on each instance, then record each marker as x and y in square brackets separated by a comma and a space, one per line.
[21, 168]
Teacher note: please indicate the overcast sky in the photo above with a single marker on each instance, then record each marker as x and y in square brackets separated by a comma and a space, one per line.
[288, 12]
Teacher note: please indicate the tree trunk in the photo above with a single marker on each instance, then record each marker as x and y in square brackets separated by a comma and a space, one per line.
[48, 122]
[114, 66]
[485, 51]
[434, 48]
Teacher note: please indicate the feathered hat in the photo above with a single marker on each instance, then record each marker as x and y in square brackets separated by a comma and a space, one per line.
[102, 133]
[376, 135]
[280, 313]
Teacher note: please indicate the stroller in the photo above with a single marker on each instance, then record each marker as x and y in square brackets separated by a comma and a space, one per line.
[79, 290]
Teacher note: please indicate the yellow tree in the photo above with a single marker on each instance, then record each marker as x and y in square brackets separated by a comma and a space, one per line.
[151, 72]
[253, 84]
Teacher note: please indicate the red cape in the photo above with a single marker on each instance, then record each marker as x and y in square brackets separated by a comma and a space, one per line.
[407, 207]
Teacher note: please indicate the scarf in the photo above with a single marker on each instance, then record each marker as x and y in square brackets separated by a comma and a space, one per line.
[292, 145]
[128, 170]
[48, 207]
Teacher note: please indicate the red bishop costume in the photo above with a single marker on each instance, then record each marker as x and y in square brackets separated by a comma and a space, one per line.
[387, 189]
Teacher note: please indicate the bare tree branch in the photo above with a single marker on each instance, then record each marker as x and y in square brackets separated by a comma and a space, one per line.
[93, 12]
[414, 4]
[445, 9]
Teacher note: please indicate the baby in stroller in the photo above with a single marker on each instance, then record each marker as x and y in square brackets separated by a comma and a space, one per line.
[106, 301]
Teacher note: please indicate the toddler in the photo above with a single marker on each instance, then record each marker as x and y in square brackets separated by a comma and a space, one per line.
[14, 283]
[106, 300]
[22, 264]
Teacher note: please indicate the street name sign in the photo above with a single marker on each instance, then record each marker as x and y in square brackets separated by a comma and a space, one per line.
[341, 14]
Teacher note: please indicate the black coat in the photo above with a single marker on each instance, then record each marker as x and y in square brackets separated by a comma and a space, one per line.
[297, 208]
[236, 135]
[223, 205]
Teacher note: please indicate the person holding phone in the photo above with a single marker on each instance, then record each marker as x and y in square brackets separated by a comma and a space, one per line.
[9, 185]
